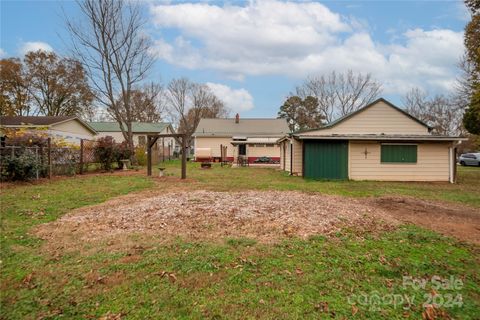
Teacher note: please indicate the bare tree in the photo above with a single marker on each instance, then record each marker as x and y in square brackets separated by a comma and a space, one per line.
[339, 94]
[188, 102]
[442, 113]
[147, 103]
[115, 52]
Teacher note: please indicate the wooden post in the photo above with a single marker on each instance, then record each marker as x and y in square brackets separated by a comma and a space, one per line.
[184, 157]
[163, 150]
[454, 165]
[42, 160]
[37, 174]
[81, 156]
[49, 146]
[149, 156]
[169, 151]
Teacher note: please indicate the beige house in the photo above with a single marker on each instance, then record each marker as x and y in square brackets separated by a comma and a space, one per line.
[377, 142]
[251, 138]
[68, 128]
[140, 131]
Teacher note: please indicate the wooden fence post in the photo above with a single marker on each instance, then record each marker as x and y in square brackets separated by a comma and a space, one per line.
[184, 157]
[49, 146]
[42, 160]
[81, 156]
[163, 150]
[149, 156]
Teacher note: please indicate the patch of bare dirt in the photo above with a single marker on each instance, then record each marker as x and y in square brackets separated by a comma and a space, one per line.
[457, 221]
[198, 215]
[266, 216]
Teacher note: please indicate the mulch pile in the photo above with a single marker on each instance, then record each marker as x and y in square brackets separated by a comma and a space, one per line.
[263, 215]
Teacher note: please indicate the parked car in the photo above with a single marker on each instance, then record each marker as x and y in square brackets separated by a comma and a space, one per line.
[469, 159]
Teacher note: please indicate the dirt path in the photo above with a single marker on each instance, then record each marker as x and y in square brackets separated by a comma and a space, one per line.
[263, 215]
[456, 221]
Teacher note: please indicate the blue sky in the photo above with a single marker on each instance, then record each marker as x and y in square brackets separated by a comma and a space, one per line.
[252, 54]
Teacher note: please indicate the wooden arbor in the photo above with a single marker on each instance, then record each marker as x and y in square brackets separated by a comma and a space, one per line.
[151, 139]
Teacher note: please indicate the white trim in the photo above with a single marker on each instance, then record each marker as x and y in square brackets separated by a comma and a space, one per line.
[451, 163]
[349, 167]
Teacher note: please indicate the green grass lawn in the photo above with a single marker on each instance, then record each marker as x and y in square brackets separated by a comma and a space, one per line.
[232, 278]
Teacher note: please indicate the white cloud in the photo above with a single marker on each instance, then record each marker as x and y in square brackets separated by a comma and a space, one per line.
[3, 53]
[34, 46]
[236, 100]
[299, 39]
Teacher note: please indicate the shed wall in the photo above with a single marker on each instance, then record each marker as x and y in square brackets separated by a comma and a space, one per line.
[432, 163]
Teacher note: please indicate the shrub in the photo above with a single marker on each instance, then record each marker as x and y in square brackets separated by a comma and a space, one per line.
[122, 152]
[141, 156]
[23, 166]
[105, 152]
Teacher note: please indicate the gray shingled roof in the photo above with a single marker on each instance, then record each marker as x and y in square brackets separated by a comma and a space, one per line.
[33, 120]
[40, 121]
[245, 127]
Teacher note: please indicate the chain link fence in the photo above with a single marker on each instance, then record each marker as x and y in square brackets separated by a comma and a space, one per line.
[47, 160]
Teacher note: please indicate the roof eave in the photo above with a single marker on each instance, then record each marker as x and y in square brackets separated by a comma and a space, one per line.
[380, 137]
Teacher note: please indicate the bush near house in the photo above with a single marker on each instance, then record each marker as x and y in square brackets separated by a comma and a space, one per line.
[107, 152]
[141, 156]
[22, 167]
[21, 155]
[122, 152]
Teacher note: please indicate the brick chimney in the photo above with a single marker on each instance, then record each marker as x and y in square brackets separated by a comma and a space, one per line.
[237, 118]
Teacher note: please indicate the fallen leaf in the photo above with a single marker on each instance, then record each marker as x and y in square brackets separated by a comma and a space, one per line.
[354, 310]
[429, 313]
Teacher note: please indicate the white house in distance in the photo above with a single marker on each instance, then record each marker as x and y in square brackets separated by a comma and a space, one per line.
[378, 142]
[68, 128]
[251, 138]
[140, 131]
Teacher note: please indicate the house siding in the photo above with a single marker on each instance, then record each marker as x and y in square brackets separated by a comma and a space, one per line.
[72, 126]
[118, 137]
[272, 151]
[432, 163]
[377, 119]
[297, 157]
[214, 144]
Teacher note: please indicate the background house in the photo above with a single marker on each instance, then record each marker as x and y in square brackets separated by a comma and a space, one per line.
[252, 138]
[140, 131]
[69, 128]
[377, 142]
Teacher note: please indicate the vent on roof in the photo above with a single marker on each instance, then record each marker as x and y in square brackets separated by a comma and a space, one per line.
[237, 118]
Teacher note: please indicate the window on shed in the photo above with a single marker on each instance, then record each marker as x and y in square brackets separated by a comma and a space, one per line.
[399, 153]
[142, 140]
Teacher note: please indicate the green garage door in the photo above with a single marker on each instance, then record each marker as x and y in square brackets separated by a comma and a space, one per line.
[326, 159]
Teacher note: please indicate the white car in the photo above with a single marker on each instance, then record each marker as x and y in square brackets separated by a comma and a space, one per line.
[469, 159]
